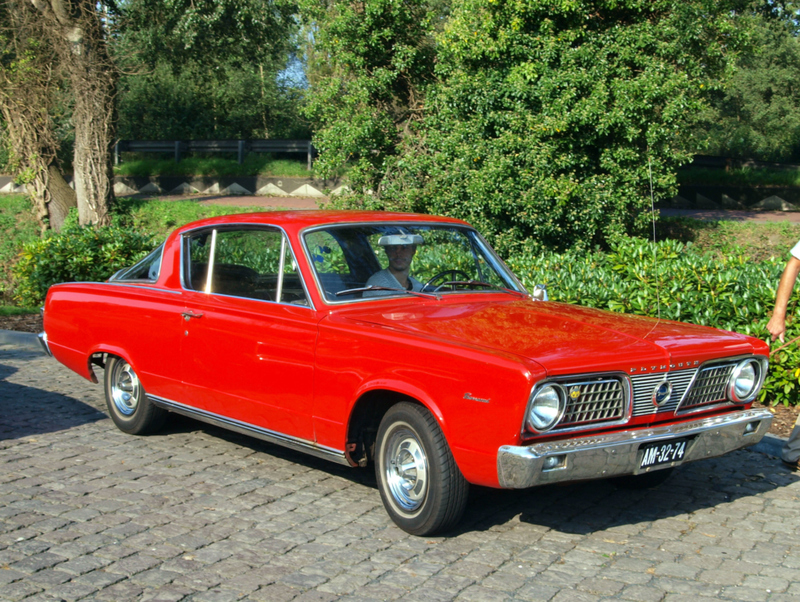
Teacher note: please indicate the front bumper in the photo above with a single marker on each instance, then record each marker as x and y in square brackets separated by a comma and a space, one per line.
[617, 454]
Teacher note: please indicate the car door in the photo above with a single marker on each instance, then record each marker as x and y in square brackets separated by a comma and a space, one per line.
[249, 333]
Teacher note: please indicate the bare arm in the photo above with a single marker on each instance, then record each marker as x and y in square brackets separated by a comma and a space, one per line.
[777, 323]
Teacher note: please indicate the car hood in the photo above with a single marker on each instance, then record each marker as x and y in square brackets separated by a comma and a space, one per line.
[562, 337]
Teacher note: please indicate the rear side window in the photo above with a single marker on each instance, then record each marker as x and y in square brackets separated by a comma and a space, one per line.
[147, 269]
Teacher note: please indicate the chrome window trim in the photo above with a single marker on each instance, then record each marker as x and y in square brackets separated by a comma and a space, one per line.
[143, 286]
[245, 428]
[119, 275]
[627, 392]
[250, 226]
[484, 246]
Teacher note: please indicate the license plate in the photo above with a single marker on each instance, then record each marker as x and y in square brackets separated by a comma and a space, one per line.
[663, 452]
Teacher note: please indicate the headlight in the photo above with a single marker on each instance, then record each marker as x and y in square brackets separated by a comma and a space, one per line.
[744, 381]
[546, 408]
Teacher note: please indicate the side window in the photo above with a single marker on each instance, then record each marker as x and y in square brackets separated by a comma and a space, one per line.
[255, 263]
[147, 269]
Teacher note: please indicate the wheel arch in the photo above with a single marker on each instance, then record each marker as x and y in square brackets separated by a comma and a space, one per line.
[365, 418]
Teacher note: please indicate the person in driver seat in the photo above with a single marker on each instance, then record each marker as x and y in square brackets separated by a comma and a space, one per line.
[400, 250]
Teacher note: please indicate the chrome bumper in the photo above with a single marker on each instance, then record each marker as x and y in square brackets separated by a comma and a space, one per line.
[617, 454]
[42, 336]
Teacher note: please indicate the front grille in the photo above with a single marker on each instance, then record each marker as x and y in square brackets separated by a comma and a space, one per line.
[709, 386]
[645, 384]
[593, 401]
[690, 389]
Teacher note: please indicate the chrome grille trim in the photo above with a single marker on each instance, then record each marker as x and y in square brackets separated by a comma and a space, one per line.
[709, 387]
[644, 384]
[599, 401]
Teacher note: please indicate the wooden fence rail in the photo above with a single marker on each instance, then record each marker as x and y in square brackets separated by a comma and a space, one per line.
[240, 147]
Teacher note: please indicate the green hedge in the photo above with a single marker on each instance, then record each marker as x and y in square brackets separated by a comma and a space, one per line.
[75, 254]
[731, 292]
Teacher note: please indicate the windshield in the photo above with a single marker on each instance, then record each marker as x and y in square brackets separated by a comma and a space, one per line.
[379, 260]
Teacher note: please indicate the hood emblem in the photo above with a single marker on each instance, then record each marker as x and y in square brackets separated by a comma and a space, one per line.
[662, 393]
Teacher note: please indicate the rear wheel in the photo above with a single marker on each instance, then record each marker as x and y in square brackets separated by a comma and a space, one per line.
[127, 402]
[421, 486]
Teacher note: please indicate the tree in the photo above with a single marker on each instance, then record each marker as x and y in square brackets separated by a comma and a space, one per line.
[542, 118]
[76, 31]
[203, 69]
[549, 116]
[757, 115]
[369, 65]
[30, 96]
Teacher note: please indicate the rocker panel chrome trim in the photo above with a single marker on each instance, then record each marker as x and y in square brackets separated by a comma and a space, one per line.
[617, 454]
[295, 443]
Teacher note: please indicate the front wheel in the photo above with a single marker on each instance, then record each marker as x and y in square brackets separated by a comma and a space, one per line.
[127, 403]
[421, 486]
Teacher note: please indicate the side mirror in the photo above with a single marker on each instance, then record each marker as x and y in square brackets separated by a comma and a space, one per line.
[540, 293]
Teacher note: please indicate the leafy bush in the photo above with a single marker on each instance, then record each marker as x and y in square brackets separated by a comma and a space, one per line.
[17, 226]
[76, 254]
[679, 282]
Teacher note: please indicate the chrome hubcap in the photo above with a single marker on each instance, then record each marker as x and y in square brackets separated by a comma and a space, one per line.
[125, 389]
[406, 469]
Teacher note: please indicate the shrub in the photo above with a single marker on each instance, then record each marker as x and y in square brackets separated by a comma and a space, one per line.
[76, 254]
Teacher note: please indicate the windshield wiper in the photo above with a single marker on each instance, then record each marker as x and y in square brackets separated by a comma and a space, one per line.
[363, 289]
[480, 283]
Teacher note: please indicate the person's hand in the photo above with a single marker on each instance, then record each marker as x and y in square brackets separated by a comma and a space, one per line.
[777, 327]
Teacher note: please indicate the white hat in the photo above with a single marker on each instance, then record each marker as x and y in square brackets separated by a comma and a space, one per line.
[400, 239]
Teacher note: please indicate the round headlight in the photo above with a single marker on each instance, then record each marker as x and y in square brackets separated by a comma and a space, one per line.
[744, 380]
[546, 408]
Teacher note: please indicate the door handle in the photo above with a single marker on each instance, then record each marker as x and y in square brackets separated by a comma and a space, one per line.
[188, 315]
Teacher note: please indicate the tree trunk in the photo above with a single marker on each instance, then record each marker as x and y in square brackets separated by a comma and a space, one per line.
[62, 198]
[78, 35]
[29, 83]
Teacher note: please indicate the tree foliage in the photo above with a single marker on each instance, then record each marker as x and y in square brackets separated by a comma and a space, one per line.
[369, 65]
[542, 118]
[757, 115]
[207, 69]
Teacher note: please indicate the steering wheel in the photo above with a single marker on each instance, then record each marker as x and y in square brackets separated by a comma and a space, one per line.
[445, 276]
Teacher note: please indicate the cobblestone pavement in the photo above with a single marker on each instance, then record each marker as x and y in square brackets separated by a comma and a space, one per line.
[197, 513]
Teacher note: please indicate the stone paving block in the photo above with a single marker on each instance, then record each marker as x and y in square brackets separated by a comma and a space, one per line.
[642, 593]
[220, 516]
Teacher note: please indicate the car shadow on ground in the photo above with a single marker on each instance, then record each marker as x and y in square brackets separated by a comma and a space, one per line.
[590, 506]
[576, 508]
[28, 411]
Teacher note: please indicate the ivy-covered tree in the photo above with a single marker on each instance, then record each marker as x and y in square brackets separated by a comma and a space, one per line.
[537, 120]
[32, 98]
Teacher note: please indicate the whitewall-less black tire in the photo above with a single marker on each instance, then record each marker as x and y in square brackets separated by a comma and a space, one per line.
[127, 402]
[420, 484]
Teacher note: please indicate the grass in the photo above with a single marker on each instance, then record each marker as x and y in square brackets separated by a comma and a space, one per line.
[756, 241]
[10, 310]
[744, 176]
[253, 165]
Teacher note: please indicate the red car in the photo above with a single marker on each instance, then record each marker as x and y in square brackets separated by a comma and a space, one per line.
[402, 341]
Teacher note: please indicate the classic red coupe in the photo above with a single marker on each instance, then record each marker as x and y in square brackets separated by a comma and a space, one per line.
[402, 341]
